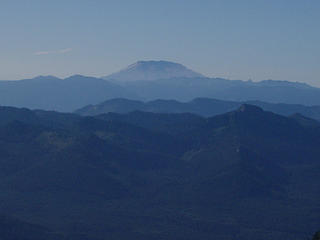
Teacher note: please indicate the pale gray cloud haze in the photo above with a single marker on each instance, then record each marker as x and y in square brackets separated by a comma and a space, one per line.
[60, 51]
[65, 50]
[42, 53]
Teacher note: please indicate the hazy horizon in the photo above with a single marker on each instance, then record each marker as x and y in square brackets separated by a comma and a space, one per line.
[172, 119]
[97, 76]
[228, 39]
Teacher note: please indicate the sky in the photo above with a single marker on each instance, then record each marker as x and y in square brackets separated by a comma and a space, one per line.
[247, 39]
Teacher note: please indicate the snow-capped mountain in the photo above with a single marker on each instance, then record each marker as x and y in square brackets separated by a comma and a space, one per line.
[153, 70]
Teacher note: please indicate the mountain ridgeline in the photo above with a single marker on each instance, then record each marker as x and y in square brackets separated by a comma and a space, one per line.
[51, 93]
[146, 81]
[245, 174]
[201, 106]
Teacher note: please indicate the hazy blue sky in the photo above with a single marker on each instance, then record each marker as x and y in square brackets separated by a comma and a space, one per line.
[267, 39]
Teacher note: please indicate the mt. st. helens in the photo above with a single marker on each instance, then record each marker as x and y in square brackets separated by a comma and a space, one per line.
[153, 70]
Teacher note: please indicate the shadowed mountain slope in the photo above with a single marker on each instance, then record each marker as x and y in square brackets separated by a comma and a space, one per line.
[13, 229]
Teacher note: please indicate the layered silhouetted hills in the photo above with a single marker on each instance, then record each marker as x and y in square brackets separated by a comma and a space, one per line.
[201, 106]
[147, 81]
[245, 174]
[186, 89]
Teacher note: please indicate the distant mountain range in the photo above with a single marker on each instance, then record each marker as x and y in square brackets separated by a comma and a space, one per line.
[186, 89]
[202, 106]
[51, 93]
[245, 174]
[146, 81]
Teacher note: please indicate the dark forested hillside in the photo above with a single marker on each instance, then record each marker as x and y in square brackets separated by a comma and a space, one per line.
[245, 174]
[316, 236]
[13, 229]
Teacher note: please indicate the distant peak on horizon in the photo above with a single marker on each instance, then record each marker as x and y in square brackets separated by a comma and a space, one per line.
[153, 70]
[46, 77]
